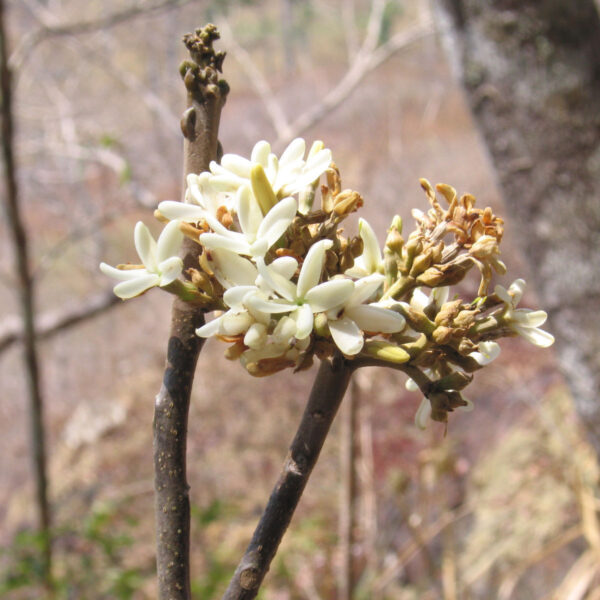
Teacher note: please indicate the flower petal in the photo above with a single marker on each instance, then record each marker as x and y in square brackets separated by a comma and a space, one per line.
[209, 329]
[423, 413]
[135, 287]
[260, 153]
[277, 220]
[304, 321]
[375, 319]
[169, 242]
[234, 323]
[487, 352]
[259, 303]
[538, 337]
[529, 318]
[170, 269]
[234, 296]
[256, 336]
[294, 152]
[237, 244]
[329, 294]
[181, 210]
[285, 265]
[346, 335]
[371, 253]
[238, 165]
[231, 269]
[122, 274]
[516, 290]
[145, 246]
[310, 273]
[278, 284]
[249, 213]
[365, 287]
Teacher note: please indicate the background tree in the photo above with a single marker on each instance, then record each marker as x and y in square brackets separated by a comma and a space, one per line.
[532, 74]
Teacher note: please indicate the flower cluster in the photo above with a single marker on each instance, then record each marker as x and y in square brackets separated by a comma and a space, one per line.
[289, 285]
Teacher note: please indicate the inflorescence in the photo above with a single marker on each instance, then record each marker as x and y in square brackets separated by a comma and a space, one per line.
[289, 285]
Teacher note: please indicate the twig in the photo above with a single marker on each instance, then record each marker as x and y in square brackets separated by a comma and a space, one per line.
[49, 324]
[46, 31]
[26, 293]
[200, 125]
[325, 398]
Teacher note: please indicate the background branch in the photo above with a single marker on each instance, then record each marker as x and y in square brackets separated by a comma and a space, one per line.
[325, 398]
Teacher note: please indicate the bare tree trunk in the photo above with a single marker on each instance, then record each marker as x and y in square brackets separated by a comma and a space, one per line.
[26, 296]
[200, 126]
[532, 74]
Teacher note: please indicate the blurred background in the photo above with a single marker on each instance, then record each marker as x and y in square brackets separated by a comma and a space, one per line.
[502, 505]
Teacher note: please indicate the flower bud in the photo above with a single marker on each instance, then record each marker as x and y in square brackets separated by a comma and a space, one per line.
[431, 277]
[387, 352]
[261, 188]
[347, 202]
[442, 335]
[447, 312]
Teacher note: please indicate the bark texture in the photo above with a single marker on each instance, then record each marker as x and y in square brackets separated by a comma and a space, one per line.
[325, 398]
[200, 125]
[532, 74]
[27, 303]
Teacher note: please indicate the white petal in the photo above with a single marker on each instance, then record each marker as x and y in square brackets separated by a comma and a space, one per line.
[210, 328]
[182, 211]
[284, 265]
[278, 284]
[329, 294]
[295, 151]
[284, 330]
[237, 244]
[270, 307]
[260, 153]
[538, 337]
[235, 323]
[277, 220]
[310, 273]
[423, 414]
[238, 165]
[232, 269]
[529, 318]
[256, 336]
[145, 246]
[304, 321]
[249, 212]
[346, 335]
[376, 319]
[411, 385]
[134, 287]
[170, 269]
[419, 299]
[516, 290]
[440, 295]
[371, 253]
[234, 296]
[169, 242]
[365, 287]
[503, 295]
[488, 351]
[122, 274]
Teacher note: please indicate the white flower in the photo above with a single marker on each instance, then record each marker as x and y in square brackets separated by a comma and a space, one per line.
[306, 297]
[287, 175]
[258, 233]
[523, 321]
[162, 266]
[486, 352]
[347, 324]
[371, 260]
[200, 200]
[438, 297]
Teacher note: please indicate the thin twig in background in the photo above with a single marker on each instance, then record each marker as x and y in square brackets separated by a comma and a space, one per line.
[200, 125]
[51, 323]
[26, 296]
[325, 398]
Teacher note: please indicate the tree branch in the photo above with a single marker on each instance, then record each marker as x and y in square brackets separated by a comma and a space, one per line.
[48, 324]
[200, 125]
[325, 398]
